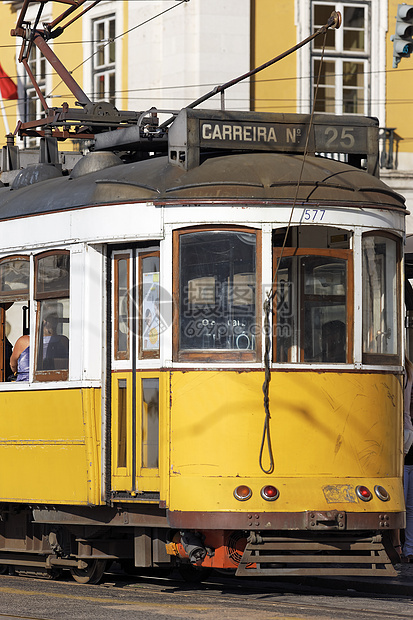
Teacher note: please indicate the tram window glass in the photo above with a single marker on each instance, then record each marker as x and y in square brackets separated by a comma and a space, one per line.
[14, 278]
[150, 319]
[312, 306]
[381, 315]
[122, 422]
[14, 308]
[121, 267]
[52, 329]
[218, 294]
[150, 423]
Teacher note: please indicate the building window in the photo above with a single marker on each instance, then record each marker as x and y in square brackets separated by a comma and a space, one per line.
[104, 59]
[52, 328]
[344, 74]
[219, 293]
[33, 106]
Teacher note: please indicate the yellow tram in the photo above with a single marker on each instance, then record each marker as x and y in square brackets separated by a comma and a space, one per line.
[229, 391]
[149, 441]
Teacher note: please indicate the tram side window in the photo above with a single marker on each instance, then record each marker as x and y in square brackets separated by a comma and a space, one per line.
[14, 308]
[52, 327]
[218, 294]
[381, 286]
[312, 305]
[150, 317]
[122, 318]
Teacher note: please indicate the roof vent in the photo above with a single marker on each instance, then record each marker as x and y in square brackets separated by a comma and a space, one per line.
[34, 173]
[92, 162]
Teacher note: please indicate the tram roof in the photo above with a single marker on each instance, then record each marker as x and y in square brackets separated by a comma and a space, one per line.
[240, 177]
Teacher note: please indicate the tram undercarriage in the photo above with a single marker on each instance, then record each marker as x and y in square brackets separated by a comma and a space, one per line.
[43, 541]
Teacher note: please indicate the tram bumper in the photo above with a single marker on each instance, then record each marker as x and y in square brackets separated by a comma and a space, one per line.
[315, 554]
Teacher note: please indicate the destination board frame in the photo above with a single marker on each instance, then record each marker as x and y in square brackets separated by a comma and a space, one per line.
[196, 130]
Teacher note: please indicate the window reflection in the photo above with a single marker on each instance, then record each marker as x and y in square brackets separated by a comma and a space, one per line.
[122, 307]
[122, 423]
[380, 293]
[310, 309]
[52, 274]
[53, 312]
[150, 317]
[53, 341]
[14, 278]
[150, 423]
[218, 290]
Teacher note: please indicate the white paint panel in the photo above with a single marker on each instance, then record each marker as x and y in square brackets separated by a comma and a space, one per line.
[94, 224]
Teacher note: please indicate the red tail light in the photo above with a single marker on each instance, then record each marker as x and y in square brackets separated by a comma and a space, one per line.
[270, 493]
[363, 493]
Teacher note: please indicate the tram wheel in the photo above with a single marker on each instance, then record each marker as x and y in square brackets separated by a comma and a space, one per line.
[4, 569]
[92, 574]
[193, 574]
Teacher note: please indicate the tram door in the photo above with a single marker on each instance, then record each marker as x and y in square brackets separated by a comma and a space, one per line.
[136, 380]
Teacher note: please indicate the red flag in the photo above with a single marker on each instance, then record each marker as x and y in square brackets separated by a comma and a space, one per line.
[8, 88]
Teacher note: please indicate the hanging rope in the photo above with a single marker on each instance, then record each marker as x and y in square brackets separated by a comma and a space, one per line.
[266, 436]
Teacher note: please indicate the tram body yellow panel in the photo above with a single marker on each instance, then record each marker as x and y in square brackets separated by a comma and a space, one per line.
[327, 430]
[50, 446]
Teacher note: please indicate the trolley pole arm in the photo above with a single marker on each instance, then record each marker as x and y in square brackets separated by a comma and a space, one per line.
[61, 70]
[39, 38]
[35, 84]
[334, 22]
[49, 27]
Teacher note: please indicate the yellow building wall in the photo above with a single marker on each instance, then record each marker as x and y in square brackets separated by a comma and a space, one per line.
[50, 446]
[8, 63]
[68, 47]
[274, 31]
[399, 89]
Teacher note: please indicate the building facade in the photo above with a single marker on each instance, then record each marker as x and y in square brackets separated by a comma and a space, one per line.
[357, 76]
[137, 55]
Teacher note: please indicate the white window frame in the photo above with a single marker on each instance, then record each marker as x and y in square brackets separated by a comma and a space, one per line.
[339, 56]
[106, 70]
[103, 10]
[29, 90]
[375, 58]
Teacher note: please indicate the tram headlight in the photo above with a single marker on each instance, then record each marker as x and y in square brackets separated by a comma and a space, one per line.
[382, 493]
[363, 493]
[270, 493]
[242, 492]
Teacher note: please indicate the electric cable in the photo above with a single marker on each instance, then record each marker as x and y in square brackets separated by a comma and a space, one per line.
[266, 435]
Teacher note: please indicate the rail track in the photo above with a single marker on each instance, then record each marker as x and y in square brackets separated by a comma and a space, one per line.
[287, 598]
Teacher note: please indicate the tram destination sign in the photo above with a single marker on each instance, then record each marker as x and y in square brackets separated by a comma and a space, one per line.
[194, 130]
[288, 137]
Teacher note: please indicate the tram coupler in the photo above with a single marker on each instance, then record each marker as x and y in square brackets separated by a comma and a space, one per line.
[325, 520]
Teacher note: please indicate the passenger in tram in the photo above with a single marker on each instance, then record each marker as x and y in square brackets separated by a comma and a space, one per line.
[19, 360]
[55, 346]
[7, 345]
[8, 350]
[333, 338]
